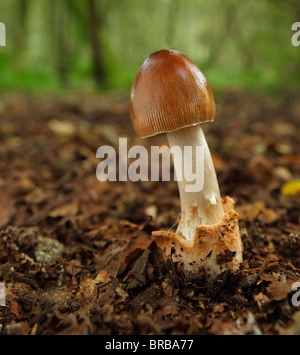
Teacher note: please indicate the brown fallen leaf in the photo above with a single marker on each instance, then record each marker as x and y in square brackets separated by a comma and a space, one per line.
[170, 309]
[279, 290]
[137, 276]
[257, 211]
[134, 249]
[261, 300]
[110, 260]
[69, 209]
[38, 196]
[261, 169]
[91, 208]
[6, 213]
[16, 309]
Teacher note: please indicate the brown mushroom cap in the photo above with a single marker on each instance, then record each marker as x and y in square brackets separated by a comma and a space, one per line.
[169, 92]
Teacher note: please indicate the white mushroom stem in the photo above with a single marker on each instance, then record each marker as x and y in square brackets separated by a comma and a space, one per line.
[197, 208]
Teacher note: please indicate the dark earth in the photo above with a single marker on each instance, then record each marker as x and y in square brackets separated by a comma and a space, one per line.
[77, 255]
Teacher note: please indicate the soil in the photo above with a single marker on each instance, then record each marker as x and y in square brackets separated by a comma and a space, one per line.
[77, 256]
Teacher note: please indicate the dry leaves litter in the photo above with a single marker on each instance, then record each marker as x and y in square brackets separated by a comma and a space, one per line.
[77, 256]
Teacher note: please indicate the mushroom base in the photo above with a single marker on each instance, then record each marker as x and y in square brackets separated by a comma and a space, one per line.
[215, 248]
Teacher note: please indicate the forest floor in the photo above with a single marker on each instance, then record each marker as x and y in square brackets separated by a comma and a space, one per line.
[77, 255]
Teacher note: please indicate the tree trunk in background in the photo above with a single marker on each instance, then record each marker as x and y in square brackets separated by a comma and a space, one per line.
[60, 33]
[62, 44]
[95, 29]
[21, 34]
[232, 31]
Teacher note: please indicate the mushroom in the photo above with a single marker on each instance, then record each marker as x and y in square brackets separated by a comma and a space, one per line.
[171, 95]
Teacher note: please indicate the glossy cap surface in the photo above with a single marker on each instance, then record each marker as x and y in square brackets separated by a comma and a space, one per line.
[169, 93]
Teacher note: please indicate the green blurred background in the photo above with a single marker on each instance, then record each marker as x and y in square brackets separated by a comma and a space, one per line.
[100, 44]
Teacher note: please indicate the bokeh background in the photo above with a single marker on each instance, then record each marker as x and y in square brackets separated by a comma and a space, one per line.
[58, 44]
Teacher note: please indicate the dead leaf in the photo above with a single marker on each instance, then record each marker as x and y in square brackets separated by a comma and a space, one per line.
[93, 208]
[38, 196]
[63, 128]
[261, 300]
[6, 213]
[257, 210]
[279, 290]
[70, 209]
[111, 259]
[135, 248]
[16, 309]
[261, 169]
[137, 276]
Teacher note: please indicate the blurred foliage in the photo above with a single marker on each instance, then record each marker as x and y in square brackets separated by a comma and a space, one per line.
[54, 44]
